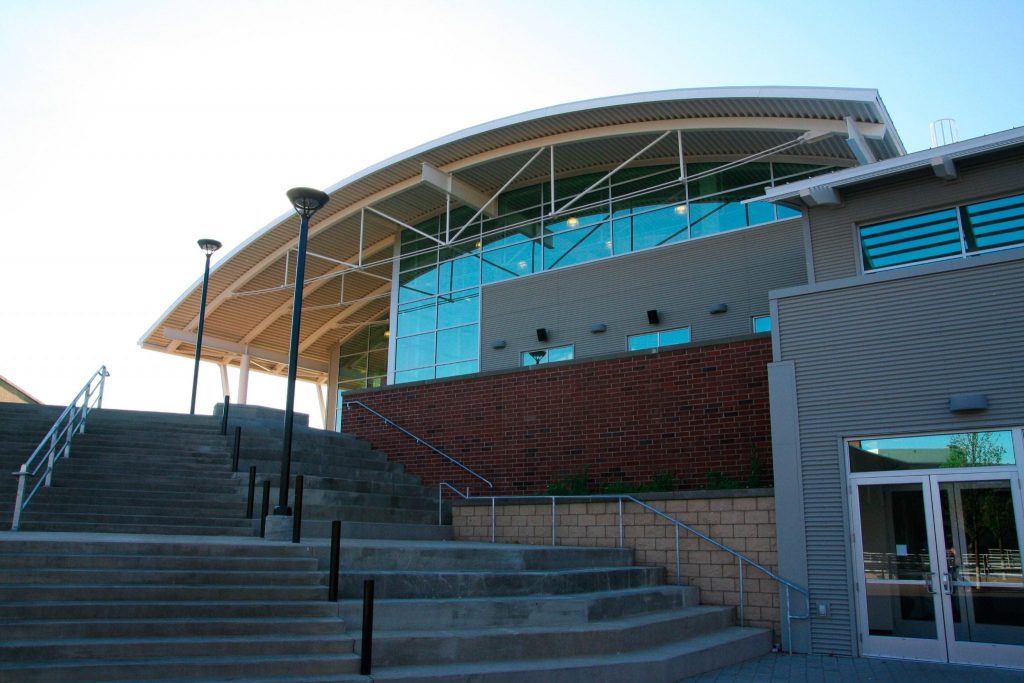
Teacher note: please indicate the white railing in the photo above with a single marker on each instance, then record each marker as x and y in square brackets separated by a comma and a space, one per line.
[57, 443]
[787, 586]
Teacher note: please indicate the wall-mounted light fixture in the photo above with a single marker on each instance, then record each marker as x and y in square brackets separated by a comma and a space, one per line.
[499, 344]
[716, 309]
[598, 328]
[542, 334]
[653, 317]
[965, 403]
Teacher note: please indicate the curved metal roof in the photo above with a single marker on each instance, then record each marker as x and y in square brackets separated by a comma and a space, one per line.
[248, 308]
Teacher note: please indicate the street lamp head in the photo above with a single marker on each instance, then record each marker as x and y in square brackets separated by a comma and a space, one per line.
[306, 200]
[209, 246]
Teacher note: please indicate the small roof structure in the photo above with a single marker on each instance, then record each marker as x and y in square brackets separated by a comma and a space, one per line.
[352, 238]
[12, 393]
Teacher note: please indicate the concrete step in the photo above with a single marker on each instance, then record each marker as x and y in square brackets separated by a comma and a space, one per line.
[87, 479]
[99, 495]
[440, 646]
[448, 584]
[147, 529]
[321, 529]
[36, 577]
[160, 593]
[333, 667]
[13, 561]
[517, 612]
[468, 557]
[148, 506]
[166, 627]
[62, 610]
[74, 516]
[663, 664]
[79, 544]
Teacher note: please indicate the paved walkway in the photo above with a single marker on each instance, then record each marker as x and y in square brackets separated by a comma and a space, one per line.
[824, 669]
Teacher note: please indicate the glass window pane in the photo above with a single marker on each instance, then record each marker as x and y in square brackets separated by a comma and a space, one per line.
[760, 212]
[458, 308]
[785, 212]
[357, 343]
[713, 217]
[510, 262]
[414, 352]
[414, 375]
[638, 342]
[559, 354]
[350, 385]
[416, 316]
[969, 449]
[458, 343]
[453, 369]
[672, 337]
[417, 284]
[912, 239]
[459, 274]
[352, 367]
[578, 246]
[762, 323]
[996, 223]
[542, 356]
[377, 363]
[660, 226]
[378, 335]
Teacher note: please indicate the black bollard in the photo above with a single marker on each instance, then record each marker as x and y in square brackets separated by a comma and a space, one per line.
[235, 449]
[332, 580]
[224, 417]
[366, 653]
[266, 508]
[297, 518]
[252, 492]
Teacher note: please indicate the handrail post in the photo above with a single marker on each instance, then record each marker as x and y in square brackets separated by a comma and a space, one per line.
[789, 622]
[49, 459]
[741, 590]
[493, 499]
[22, 475]
[439, 503]
[679, 574]
[103, 380]
[622, 538]
[552, 520]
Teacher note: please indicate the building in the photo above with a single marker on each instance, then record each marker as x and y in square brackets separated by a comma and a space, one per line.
[704, 287]
[12, 393]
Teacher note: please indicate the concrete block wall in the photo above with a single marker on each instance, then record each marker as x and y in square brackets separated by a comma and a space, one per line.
[743, 520]
[689, 410]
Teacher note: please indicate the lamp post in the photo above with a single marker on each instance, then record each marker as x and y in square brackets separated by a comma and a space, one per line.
[208, 247]
[306, 202]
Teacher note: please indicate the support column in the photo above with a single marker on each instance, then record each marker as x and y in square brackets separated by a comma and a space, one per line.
[243, 380]
[225, 387]
[323, 402]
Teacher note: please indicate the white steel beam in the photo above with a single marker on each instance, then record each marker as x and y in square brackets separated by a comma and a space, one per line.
[820, 196]
[235, 347]
[348, 312]
[858, 145]
[457, 189]
[403, 224]
[944, 168]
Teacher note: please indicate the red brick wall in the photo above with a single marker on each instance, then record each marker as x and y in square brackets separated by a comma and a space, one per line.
[687, 411]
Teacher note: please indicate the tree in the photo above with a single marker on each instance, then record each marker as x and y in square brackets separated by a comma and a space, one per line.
[974, 449]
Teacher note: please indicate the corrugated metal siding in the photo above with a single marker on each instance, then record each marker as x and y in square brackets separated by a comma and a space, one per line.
[883, 358]
[832, 228]
[681, 281]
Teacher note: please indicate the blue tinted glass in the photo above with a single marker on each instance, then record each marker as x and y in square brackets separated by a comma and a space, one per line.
[559, 353]
[458, 343]
[709, 218]
[453, 369]
[458, 308]
[459, 274]
[785, 212]
[760, 212]
[416, 316]
[414, 375]
[908, 240]
[970, 449]
[578, 246]
[643, 341]
[377, 363]
[622, 233]
[510, 262]
[662, 226]
[996, 223]
[413, 352]
[672, 337]
[417, 284]
[352, 367]
[763, 323]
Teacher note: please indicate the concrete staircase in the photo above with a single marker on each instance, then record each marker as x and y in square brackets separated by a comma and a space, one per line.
[80, 605]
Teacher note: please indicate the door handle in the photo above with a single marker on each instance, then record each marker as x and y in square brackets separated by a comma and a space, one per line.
[929, 582]
[945, 584]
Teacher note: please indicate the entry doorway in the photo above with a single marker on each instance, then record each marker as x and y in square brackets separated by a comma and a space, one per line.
[938, 566]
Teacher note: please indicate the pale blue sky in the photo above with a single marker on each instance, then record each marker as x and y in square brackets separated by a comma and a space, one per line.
[128, 129]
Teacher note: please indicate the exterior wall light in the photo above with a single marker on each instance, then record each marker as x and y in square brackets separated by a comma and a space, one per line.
[716, 309]
[966, 403]
[598, 328]
[652, 316]
[542, 334]
[499, 344]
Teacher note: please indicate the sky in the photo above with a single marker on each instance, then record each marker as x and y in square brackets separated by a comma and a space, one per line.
[130, 129]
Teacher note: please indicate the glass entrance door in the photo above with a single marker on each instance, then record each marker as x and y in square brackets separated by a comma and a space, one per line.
[940, 567]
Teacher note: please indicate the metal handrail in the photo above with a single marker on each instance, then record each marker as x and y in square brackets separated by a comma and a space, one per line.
[418, 440]
[57, 442]
[740, 557]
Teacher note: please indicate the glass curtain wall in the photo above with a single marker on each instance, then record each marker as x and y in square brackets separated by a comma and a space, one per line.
[437, 321]
[362, 361]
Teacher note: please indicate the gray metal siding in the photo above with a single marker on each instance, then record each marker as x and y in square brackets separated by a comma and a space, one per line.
[681, 281]
[834, 249]
[883, 358]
